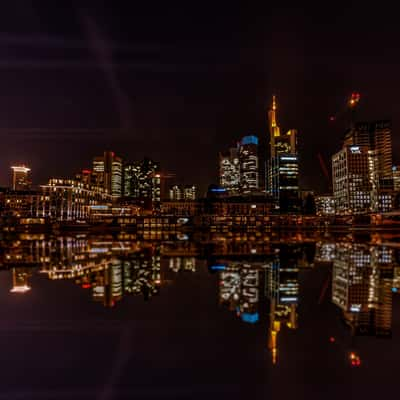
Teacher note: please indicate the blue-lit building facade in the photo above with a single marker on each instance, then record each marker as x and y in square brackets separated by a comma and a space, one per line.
[239, 167]
[248, 159]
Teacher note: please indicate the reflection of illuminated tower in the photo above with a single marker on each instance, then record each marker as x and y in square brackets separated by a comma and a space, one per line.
[21, 177]
[20, 280]
[282, 292]
[239, 289]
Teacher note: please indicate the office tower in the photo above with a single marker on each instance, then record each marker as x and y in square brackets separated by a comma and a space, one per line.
[142, 182]
[177, 193]
[229, 171]
[107, 173]
[282, 291]
[282, 177]
[396, 177]
[382, 195]
[68, 199]
[248, 161]
[286, 143]
[21, 177]
[351, 183]
[377, 136]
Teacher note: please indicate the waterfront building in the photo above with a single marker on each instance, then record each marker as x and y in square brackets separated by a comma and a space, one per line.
[69, 200]
[107, 173]
[229, 171]
[20, 177]
[248, 161]
[351, 183]
[142, 183]
[282, 175]
[19, 203]
[325, 205]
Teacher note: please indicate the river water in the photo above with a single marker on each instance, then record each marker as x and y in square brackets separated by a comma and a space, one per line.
[224, 317]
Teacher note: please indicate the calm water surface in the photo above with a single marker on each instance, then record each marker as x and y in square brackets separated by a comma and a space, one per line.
[226, 318]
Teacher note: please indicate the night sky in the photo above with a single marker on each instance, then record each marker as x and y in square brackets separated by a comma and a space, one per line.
[180, 83]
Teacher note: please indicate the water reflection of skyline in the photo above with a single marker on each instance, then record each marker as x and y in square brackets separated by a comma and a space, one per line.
[257, 281]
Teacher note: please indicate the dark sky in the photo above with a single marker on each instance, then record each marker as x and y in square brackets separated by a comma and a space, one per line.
[180, 83]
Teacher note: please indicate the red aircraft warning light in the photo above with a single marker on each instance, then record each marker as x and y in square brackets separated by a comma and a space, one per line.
[354, 99]
[355, 359]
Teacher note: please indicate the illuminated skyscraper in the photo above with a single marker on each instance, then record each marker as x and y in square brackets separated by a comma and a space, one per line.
[351, 181]
[396, 177]
[107, 173]
[229, 170]
[376, 136]
[21, 177]
[142, 182]
[282, 177]
[248, 160]
[177, 193]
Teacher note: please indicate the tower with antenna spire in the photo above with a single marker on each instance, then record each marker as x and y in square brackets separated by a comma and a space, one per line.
[282, 175]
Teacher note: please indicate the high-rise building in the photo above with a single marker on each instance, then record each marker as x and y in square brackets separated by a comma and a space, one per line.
[229, 171]
[282, 177]
[396, 177]
[351, 183]
[107, 173]
[377, 136]
[371, 141]
[142, 182]
[248, 160]
[21, 177]
[280, 143]
[190, 192]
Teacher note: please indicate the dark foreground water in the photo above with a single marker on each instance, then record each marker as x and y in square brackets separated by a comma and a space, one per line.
[237, 318]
